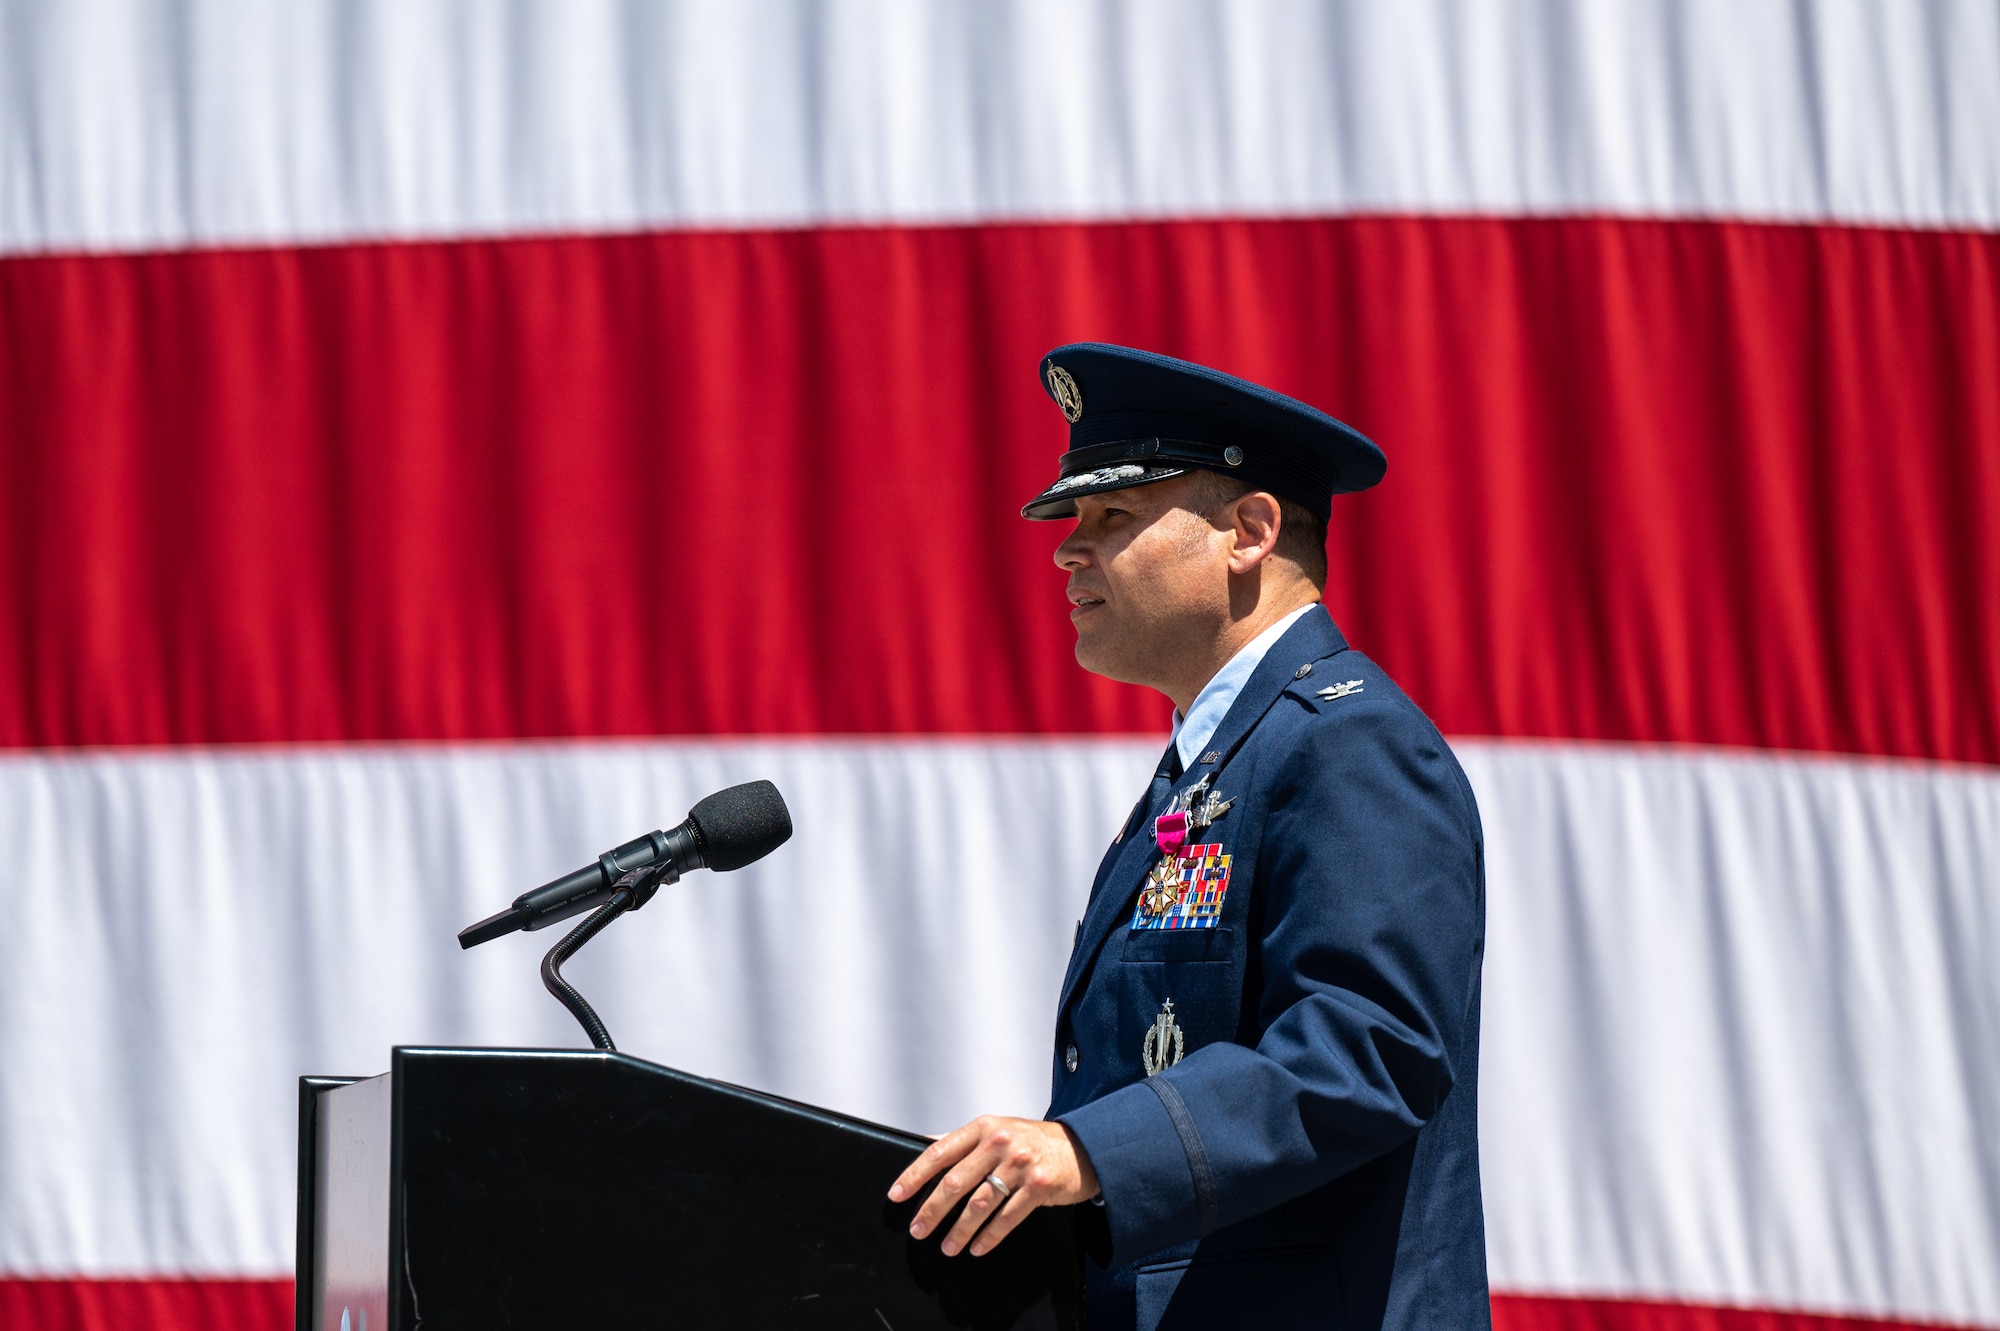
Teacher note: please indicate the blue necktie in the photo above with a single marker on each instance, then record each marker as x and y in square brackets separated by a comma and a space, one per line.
[1155, 803]
[1168, 772]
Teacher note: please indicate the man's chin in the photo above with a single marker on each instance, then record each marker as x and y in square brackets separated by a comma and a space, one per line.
[1096, 656]
[1086, 651]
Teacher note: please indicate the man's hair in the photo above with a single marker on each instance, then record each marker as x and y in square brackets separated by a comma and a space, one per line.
[1301, 535]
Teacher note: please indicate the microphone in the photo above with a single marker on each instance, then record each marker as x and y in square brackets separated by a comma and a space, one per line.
[728, 830]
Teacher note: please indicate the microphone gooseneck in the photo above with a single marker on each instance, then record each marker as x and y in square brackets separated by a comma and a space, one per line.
[566, 994]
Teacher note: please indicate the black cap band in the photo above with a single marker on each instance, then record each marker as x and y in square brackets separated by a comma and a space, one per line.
[1300, 479]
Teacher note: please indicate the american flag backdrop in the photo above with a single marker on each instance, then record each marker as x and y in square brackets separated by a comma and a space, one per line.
[441, 440]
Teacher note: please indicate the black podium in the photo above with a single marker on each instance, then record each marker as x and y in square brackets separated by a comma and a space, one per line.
[487, 1188]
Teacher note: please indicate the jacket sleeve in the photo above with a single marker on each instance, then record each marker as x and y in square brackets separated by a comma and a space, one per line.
[1366, 935]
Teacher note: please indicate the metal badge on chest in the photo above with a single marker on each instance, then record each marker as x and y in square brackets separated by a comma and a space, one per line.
[1166, 1042]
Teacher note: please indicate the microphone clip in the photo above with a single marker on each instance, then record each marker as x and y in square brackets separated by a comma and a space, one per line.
[643, 882]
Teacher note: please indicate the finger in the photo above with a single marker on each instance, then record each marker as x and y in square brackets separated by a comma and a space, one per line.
[1002, 1223]
[985, 1200]
[958, 1181]
[939, 1155]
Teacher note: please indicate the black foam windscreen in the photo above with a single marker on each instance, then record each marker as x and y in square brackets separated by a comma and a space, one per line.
[742, 824]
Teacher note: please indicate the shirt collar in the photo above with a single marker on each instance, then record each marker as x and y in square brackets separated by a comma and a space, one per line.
[1213, 702]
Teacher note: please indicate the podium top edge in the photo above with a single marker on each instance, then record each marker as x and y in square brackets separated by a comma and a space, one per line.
[400, 1054]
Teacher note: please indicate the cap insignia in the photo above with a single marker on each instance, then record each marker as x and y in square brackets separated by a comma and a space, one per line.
[1067, 395]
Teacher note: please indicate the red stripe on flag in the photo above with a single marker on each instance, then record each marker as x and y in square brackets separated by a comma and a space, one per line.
[1526, 1312]
[161, 1304]
[154, 1303]
[1654, 481]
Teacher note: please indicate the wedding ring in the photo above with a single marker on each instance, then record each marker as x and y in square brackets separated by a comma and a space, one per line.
[999, 1187]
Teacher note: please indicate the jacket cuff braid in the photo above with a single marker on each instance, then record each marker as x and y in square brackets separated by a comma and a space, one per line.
[1144, 1169]
[1197, 1154]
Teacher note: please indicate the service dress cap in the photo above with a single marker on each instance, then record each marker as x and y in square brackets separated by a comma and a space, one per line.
[1136, 417]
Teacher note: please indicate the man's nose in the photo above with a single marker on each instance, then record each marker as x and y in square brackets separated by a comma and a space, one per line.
[1073, 553]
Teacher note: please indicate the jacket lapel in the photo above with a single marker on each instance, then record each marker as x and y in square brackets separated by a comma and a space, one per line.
[1313, 638]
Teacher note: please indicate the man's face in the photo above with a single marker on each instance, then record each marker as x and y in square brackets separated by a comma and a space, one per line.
[1148, 582]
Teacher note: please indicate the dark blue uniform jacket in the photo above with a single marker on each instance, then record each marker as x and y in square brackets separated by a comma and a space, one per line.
[1313, 1159]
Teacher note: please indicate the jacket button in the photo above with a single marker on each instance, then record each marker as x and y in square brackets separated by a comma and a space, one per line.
[1069, 1058]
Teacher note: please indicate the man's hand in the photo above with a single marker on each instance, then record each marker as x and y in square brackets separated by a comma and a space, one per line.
[1040, 1164]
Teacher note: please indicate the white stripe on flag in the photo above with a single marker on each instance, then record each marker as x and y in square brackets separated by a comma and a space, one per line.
[125, 124]
[1739, 1023]
[1742, 1021]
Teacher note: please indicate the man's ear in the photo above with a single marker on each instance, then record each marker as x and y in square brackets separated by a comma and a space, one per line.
[1255, 518]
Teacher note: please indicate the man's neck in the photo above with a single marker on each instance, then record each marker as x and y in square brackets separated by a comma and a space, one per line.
[1235, 636]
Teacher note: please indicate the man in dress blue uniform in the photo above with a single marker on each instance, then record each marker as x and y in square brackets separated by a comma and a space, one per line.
[1267, 1044]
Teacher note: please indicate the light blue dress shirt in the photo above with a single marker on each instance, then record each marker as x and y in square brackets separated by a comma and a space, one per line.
[1195, 729]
